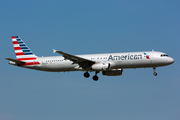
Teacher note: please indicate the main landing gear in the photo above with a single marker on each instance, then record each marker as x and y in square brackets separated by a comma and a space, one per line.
[95, 77]
[155, 73]
[86, 74]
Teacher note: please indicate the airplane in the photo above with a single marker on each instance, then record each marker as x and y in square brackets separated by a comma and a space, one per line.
[110, 64]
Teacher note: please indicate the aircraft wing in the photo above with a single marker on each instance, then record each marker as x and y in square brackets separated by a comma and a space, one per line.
[84, 63]
[13, 60]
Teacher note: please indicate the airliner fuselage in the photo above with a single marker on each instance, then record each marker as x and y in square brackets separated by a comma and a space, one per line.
[111, 64]
[117, 60]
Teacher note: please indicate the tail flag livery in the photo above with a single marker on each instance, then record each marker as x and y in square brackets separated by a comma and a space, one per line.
[23, 53]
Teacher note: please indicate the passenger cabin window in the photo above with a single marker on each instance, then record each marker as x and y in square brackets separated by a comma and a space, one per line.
[164, 55]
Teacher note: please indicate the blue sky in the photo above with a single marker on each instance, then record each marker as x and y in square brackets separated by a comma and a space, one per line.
[86, 27]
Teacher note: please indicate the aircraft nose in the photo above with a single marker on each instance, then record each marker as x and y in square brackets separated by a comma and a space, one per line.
[170, 60]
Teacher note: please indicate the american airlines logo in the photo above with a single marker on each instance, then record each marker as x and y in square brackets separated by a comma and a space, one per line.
[125, 57]
[147, 56]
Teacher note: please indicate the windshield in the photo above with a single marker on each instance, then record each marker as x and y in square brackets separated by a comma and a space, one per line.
[164, 55]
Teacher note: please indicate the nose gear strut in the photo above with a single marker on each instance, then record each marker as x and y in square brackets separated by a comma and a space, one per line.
[155, 73]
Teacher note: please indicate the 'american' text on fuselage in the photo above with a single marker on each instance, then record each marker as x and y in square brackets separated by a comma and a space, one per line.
[125, 57]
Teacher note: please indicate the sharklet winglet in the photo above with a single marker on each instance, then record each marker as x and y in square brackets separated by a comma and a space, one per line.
[54, 50]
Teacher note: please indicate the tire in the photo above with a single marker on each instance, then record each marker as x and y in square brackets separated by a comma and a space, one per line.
[95, 78]
[86, 74]
[155, 74]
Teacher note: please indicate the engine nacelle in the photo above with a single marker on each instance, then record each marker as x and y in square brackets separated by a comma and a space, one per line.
[100, 66]
[113, 72]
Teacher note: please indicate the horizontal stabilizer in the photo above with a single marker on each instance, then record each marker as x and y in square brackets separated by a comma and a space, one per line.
[17, 61]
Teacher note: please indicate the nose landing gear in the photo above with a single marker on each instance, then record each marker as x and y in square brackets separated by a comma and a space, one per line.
[155, 73]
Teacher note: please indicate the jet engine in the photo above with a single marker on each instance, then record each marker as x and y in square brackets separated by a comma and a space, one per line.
[113, 72]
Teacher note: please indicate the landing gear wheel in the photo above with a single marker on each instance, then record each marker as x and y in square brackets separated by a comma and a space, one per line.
[155, 74]
[95, 78]
[86, 74]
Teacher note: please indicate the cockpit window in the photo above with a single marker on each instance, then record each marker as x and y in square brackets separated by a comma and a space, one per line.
[164, 55]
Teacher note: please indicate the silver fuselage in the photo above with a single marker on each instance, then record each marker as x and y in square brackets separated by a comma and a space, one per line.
[119, 61]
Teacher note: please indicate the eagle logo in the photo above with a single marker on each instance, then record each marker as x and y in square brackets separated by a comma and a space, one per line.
[147, 56]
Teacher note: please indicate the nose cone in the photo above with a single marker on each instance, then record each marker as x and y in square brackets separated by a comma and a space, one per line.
[170, 60]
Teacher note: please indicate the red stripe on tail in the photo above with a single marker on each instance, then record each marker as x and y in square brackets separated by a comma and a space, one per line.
[20, 53]
[21, 59]
[32, 63]
[15, 42]
[17, 48]
[28, 63]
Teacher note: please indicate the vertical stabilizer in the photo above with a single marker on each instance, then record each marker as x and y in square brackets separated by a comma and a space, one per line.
[22, 51]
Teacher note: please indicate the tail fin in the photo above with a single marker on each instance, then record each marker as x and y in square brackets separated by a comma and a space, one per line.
[22, 51]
